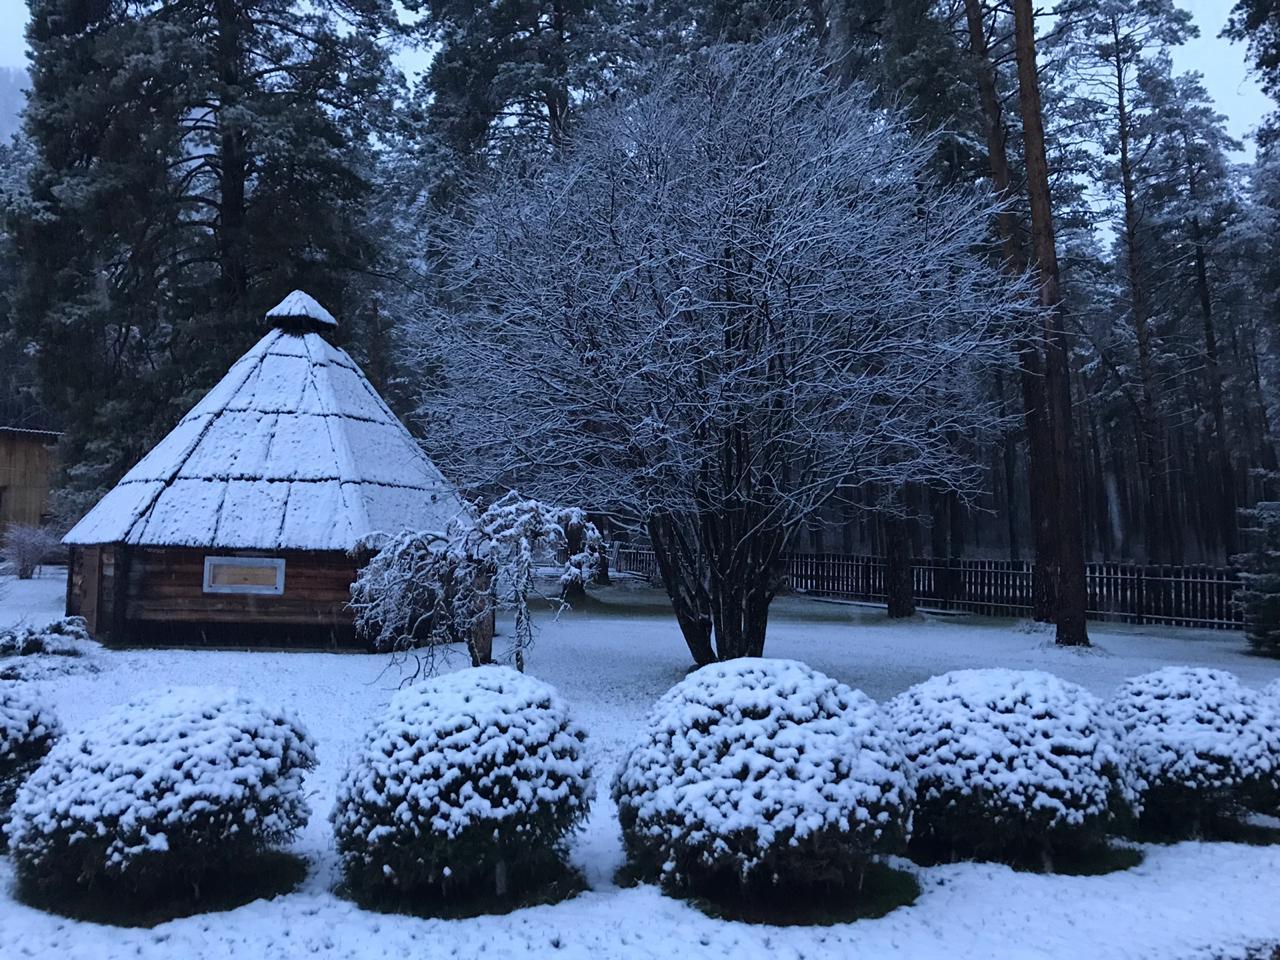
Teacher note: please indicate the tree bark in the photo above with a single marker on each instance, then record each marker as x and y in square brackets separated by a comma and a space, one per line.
[484, 619]
[1213, 374]
[899, 588]
[600, 572]
[1072, 593]
[1156, 522]
[573, 591]
[683, 572]
[1041, 481]
[744, 560]
[233, 166]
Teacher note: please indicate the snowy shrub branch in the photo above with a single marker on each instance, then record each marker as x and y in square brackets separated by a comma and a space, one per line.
[423, 591]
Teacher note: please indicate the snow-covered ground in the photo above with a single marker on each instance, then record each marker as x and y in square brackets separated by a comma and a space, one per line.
[611, 661]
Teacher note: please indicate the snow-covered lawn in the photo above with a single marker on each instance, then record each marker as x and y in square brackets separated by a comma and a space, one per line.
[611, 661]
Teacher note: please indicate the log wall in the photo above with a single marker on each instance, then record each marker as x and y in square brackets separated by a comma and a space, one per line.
[156, 595]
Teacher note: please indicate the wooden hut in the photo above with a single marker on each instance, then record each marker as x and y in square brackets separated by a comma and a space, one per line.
[27, 459]
[238, 527]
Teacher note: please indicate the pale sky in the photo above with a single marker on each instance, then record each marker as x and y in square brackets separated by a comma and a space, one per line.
[1225, 76]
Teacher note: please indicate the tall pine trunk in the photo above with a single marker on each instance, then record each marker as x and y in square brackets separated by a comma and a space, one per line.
[1072, 593]
[1156, 519]
[1041, 481]
[1227, 518]
[233, 165]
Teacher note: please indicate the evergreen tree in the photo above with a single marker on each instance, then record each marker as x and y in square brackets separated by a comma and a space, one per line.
[19, 397]
[1259, 597]
[1193, 197]
[511, 72]
[1257, 22]
[1117, 44]
[194, 162]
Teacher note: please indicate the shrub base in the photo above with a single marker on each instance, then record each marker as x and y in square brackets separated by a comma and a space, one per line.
[553, 885]
[1217, 829]
[1095, 860]
[1084, 851]
[253, 877]
[882, 890]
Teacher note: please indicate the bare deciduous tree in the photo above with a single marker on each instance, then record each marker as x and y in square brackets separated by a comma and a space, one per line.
[26, 547]
[734, 294]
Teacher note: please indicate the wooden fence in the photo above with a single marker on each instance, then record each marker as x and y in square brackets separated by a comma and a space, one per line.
[1186, 596]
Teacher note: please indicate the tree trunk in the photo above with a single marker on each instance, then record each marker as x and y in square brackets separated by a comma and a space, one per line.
[740, 614]
[1072, 589]
[484, 619]
[897, 567]
[574, 590]
[1156, 521]
[1213, 374]
[556, 95]
[1041, 481]
[233, 166]
[683, 571]
[600, 570]
[744, 557]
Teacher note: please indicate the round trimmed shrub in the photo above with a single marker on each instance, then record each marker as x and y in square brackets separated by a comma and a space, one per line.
[160, 793]
[1009, 765]
[754, 777]
[466, 790]
[1269, 801]
[1204, 747]
[1271, 694]
[28, 730]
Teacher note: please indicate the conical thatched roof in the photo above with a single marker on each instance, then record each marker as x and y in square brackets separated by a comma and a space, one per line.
[293, 449]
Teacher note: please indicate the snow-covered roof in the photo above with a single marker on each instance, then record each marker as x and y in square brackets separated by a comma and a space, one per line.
[293, 449]
[301, 306]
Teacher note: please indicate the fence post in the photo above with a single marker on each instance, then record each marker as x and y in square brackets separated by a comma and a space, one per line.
[1140, 595]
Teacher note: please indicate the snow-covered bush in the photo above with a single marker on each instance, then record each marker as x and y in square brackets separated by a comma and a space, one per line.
[67, 637]
[1203, 746]
[27, 546]
[753, 776]
[428, 589]
[1269, 800]
[468, 787]
[1271, 694]
[1259, 594]
[159, 793]
[1009, 764]
[28, 729]
[419, 590]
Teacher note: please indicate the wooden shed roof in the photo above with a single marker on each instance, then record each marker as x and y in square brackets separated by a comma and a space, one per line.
[293, 449]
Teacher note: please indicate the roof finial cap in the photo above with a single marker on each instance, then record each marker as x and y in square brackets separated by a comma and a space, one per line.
[300, 309]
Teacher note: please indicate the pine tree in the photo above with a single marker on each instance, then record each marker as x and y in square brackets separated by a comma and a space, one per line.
[508, 75]
[1194, 201]
[19, 399]
[1259, 597]
[1257, 22]
[1117, 44]
[194, 162]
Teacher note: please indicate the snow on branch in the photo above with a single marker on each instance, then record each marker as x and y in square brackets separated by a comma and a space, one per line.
[739, 287]
[423, 592]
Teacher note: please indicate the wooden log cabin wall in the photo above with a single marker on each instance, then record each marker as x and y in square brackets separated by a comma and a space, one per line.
[161, 596]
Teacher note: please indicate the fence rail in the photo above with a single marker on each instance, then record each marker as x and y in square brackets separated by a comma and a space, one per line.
[1184, 596]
